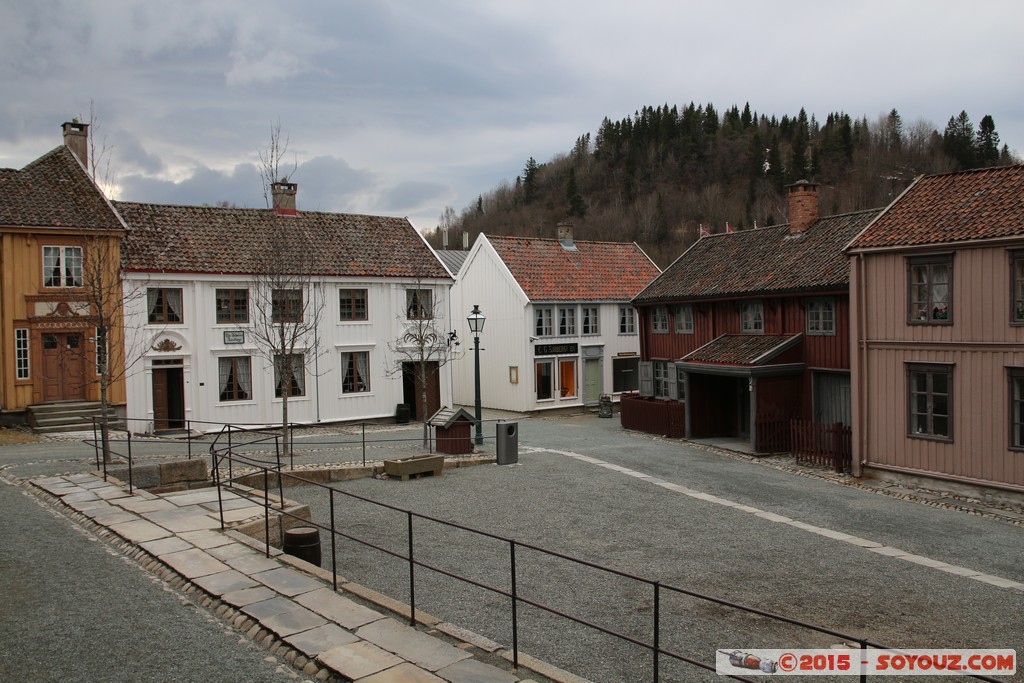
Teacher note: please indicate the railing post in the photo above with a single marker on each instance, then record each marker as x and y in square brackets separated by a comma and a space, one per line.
[657, 627]
[412, 576]
[231, 458]
[334, 551]
[364, 444]
[266, 509]
[188, 437]
[96, 444]
[220, 497]
[131, 466]
[515, 606]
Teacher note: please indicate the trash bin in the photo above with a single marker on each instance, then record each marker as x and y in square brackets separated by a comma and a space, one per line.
[508, 442]
[402, 414]
[303, 542]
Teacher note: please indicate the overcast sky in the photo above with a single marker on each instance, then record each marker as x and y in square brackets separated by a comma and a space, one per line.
[404, 107]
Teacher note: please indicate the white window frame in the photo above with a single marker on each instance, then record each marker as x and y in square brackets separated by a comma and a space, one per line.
[543, 321]
[821, 317]
[23, 368]
[627, 320]
[57, 257]
[684, 319]
[566, 321]
[347, 357]
[236, 361]
[550, 362]
[590, 320]
[752, 317]
[299, 375]
[350, 291]
[659, 320]
[230, 310]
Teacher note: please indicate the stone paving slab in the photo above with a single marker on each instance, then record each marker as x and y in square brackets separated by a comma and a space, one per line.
[194, 563]
[320, 639]
[268, 608]
[239, 514]
[180, 520]
[206, 539]
[140, 505]
[403, 673]
[475, 671]
[230, 504]
[412, 645]
[110, 492]
[288, 581]
[225, 582]
[85, 505]
[209, 495]
[293, 621]
[248, 596]
[252, 563]
[338, 609]
[230, 551]
[165, 546]
[357, 660]
[140, 531]
[110, 516]
[80, 496]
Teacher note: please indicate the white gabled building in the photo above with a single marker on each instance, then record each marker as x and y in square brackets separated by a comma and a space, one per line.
[560, 328]
[191, 306]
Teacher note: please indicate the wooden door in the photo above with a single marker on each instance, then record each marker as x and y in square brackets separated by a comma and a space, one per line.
[63, 366]
[168, 398]
[592, 381]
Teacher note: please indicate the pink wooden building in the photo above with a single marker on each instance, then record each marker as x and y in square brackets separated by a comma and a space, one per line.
[937, 318]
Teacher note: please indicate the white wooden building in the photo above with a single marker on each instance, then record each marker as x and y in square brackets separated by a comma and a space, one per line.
[193, 310]
[560, 330]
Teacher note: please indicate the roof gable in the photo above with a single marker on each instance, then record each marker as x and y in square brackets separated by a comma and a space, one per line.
[762, 261]
[952, 207]
[593, 271]
[203, 239]
[54, 191]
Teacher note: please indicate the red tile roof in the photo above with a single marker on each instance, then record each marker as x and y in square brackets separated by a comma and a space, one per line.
[203, 239]
[54, 191]
[952, 207]
[761, 261]
[593, 271]
[742, 349]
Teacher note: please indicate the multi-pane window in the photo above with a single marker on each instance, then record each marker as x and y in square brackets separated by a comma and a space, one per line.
[931, 280]
[661, 378]
[930, 398]
[821, 317]
[62, 266]
[543, 325]
[566, 320]
[1017, 269]
[353, 304]
[419, 304]
[545, 380]
[286, 305]
[232, 306]
[752, 317]
[680, 383]
[625, 374]
[1017, 408]
[684, 319]
[164, 305]
[355, 370]
[290, 371]
[659, 319]
[590, 320]
[627, 320]
[21, 368]
[235, 378]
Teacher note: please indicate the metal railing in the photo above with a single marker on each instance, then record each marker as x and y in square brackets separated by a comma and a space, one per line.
[654, 645]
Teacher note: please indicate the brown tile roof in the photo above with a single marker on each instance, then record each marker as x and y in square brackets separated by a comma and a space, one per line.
[203, 239]
[54, 191]
[742, 349]
[761, 261]
[594, 271]
[950, 208]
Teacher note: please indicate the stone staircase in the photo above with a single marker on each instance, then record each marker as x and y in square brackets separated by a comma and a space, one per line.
[72, 416]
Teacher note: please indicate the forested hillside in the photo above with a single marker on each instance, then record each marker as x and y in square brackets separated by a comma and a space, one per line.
[656, 176]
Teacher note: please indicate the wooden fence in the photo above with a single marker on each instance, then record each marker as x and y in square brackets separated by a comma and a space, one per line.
[653, 416]
[819, 444]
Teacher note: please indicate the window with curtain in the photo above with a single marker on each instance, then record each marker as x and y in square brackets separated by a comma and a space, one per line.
[164, 305]
[419, 304]
[286, 305]
[591, 320]
[684, 319]
[235, 378]
[567, 320]
[659, 320]
[752, 317]
[543, 325]
[355, 368]
[931, 280]
[627, 320]
[295, 366]
[62, 266]
[821, 317]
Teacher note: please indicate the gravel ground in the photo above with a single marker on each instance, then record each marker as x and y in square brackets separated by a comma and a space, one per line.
[75, 609]
[627, 523]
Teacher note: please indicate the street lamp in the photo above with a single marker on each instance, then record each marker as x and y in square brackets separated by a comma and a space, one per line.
[476, 326]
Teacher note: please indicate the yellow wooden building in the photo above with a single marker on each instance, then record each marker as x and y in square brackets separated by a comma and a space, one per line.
[60, 286]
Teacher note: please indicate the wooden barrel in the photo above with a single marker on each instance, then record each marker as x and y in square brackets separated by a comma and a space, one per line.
[303, 542]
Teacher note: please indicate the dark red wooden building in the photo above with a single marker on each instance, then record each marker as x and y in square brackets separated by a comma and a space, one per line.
[748, 330]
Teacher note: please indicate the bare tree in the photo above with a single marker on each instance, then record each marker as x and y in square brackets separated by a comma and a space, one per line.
[425, 346]
[272, 160]
[287, 299]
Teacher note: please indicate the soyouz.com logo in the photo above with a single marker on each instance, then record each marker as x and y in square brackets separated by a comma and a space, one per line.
[850, 662]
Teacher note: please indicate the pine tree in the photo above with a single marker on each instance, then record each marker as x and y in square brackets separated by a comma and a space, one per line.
[958, 141]
[987, 142]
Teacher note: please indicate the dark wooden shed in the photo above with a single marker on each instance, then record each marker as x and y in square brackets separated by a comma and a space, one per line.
[453, 430]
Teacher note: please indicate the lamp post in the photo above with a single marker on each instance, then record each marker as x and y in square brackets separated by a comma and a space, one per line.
[476, 326]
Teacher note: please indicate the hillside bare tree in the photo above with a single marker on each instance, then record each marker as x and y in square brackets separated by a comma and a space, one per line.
[423, 344]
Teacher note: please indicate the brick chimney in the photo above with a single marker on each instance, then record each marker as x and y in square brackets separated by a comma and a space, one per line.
[803, 206]
[565, 235]
[76, 138]
[284, 198]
